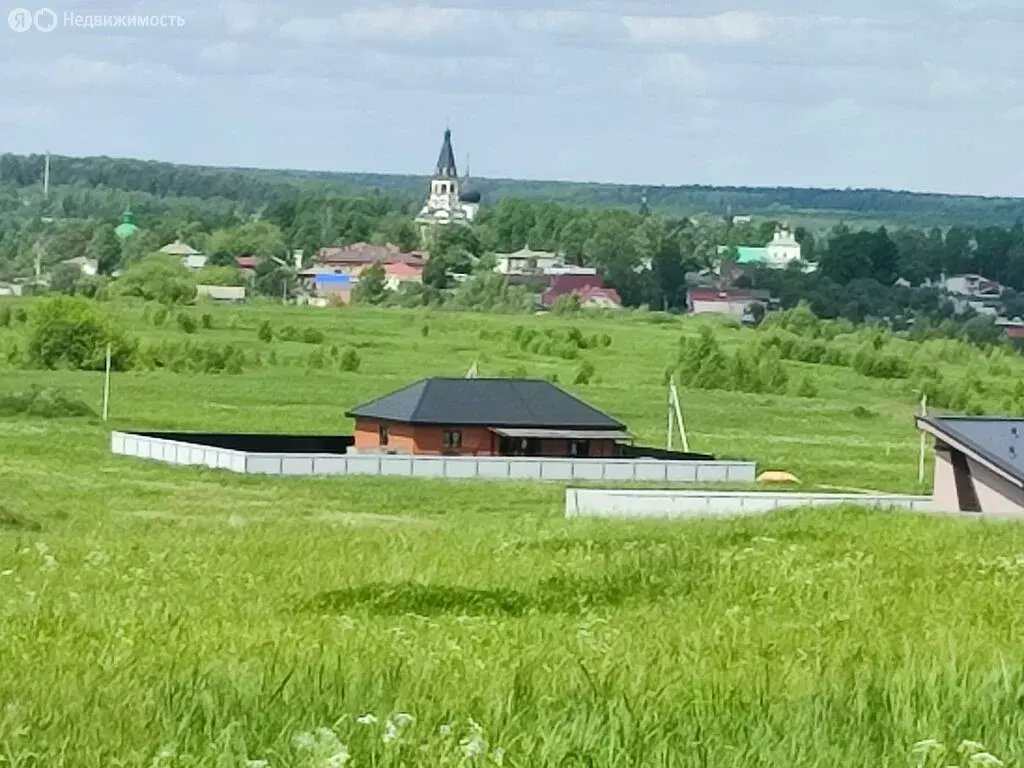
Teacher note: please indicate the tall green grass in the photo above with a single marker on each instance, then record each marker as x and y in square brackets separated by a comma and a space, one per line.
[160, 616]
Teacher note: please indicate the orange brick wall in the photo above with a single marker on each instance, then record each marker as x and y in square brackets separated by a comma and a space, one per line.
[407, 438]
[476, 441]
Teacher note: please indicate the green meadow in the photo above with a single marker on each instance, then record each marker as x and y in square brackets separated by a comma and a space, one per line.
[161, 616]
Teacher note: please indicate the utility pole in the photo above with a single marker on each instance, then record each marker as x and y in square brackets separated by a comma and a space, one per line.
[46, 176]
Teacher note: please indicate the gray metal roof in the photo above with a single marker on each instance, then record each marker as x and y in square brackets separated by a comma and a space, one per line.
[487, 403]
[998, 440]
[446, 160]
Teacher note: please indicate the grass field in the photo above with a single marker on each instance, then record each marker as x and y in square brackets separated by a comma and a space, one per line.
[159, 616]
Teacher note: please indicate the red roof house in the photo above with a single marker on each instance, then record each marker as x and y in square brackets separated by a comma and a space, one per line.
[730, 301]
[353, 259]
[247, 263]
[587, 287]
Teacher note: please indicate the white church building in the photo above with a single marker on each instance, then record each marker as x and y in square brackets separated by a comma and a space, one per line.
[450, 201]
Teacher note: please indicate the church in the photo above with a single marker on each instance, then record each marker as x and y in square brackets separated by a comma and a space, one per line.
[450, 201]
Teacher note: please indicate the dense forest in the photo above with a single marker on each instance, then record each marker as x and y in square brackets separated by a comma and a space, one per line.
[260, 187]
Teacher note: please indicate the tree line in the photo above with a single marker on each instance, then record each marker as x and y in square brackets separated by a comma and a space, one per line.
[261, 187]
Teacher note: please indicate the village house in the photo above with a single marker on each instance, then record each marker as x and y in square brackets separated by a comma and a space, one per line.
[353, 259]
[88, 267]
[589, 289]
[486, 417]
[727, 301]
[192, 259]
[979, 464]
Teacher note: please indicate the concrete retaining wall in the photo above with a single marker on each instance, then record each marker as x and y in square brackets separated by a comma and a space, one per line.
[462, 467]
[690, 504]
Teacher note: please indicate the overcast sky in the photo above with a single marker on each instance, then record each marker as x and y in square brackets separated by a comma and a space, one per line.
[910, 94]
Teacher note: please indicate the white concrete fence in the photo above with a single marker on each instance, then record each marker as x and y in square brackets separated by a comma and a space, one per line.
[640, 504]
[461, 467]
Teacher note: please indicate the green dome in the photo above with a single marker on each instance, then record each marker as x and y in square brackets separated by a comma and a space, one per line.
[127, 226]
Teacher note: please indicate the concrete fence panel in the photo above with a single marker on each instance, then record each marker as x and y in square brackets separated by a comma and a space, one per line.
[580, 502]
[452, 467]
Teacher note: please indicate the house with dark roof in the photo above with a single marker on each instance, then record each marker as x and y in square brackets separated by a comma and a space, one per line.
[979, 463]
[486, 417]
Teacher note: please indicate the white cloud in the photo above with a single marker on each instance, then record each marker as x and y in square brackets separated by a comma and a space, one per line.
[310, 30]
[75, 72]
[240, 18]
[962, 84]
[679, 72]
[226, 50]
[730, 27]
[415, 22]
[26, 114]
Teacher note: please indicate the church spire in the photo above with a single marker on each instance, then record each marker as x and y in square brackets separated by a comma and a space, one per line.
[446, 160]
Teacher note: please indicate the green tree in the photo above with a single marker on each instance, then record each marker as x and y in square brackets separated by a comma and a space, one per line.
[157, 277]
[257, 238]
[64, 278]
[105, 248]
[372, 286]
[72, 332]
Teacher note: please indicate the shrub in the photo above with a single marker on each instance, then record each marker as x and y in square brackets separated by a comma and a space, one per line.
[425, 330]
[48, 403]
[860, 412]
[187, 323]
[265, 332]
[604, 341]
[159, 316]
[807, 388]
[350, 360]
[207, 320]
[312, 336]
[272, 357]
[71, 331]
[20, 315]
[289, 333]
[5, 316]
[316, 359]
[566, 304]
[584, 373]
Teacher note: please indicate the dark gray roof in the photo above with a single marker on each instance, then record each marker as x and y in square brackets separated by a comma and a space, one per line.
[446, 160]
[486, 403]
[998, 440]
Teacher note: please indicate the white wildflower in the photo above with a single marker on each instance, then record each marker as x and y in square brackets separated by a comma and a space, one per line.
[257, 764]
[304, 741]
[969, 747]
[474, 746]
[166, 752]
[49, 562]
[445, 730]
[367, 719]
[986, 759]
[390, 732]
[927, 746]
[499, 756]
[403, 719]
[339, 759]
[41, 548]
[326, 735]
[8, 572]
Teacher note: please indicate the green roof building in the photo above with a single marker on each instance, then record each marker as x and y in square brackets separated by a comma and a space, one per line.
[127, 226]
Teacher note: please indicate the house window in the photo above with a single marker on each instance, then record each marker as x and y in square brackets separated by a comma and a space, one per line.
[451, 440]
[383, 434]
